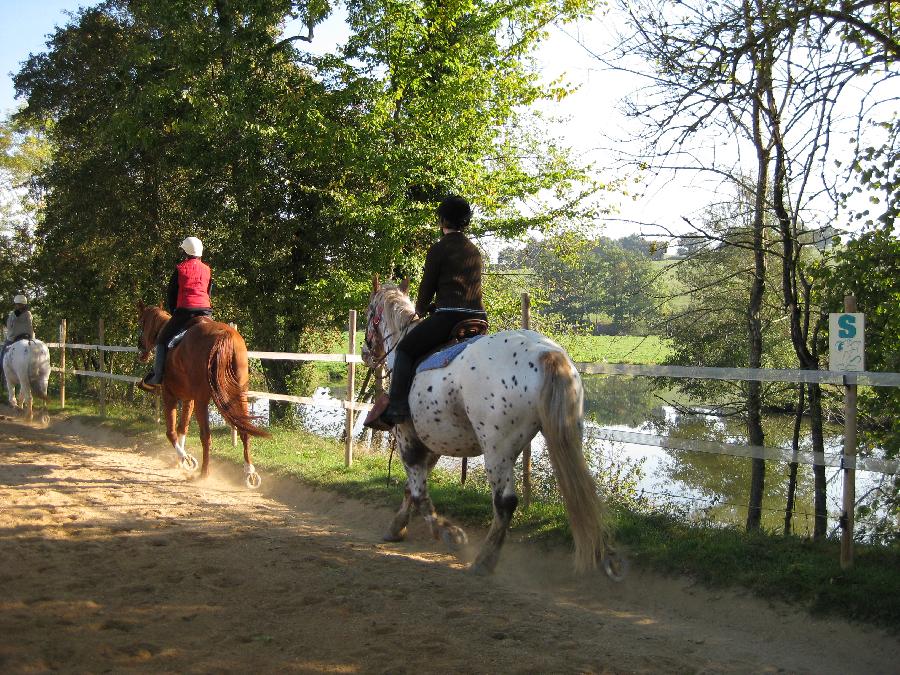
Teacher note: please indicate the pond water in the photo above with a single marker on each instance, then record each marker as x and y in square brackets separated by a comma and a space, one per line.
[705, 486]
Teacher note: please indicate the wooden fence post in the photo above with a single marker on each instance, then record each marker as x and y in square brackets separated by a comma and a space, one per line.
[848, 460]
[62, 363]
[351, 386]
[100, 340]
[526, 455]
[234, 433]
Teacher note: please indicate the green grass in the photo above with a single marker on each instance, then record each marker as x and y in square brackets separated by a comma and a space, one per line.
[768, 565]
[651, 349]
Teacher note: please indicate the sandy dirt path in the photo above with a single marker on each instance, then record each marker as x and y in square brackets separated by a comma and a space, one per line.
[111, 561]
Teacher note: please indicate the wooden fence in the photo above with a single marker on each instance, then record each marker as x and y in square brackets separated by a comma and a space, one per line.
[847, 460]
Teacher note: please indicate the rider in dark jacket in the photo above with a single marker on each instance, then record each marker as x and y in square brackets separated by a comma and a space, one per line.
[450, 289]
[188, 296]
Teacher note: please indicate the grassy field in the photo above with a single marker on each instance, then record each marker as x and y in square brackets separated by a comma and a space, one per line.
[648, 350]
[769, 565]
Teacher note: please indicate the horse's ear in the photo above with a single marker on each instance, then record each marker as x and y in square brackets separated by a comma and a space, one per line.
[140, 306]
[375, 283]
[160, 304]
[404, 285]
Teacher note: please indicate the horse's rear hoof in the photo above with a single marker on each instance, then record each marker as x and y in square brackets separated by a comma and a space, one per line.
[615, 566]
[189, 463]
[454, 537]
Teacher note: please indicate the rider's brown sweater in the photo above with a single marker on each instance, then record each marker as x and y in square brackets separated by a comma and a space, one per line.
[452, 275]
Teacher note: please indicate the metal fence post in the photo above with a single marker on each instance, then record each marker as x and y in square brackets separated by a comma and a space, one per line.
[62, 363]
[526, 455]
[848, 459]
[351, 386]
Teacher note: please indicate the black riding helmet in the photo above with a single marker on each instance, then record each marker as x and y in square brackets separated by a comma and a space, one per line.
[455, 211]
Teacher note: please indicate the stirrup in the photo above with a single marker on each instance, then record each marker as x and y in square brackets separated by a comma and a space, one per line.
[373, 419]
[147, 386]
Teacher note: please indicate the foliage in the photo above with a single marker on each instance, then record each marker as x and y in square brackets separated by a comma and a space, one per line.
[24, 151]
[869, 267]
[302, 174]
[588, 280]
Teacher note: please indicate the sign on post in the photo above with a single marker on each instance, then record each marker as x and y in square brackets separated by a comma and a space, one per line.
[846, 341]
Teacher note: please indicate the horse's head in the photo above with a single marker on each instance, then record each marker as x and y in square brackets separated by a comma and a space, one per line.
[379, 325]
[151, 319]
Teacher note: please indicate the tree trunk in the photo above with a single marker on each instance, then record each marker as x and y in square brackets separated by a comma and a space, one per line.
[761, 84]
[792, 475]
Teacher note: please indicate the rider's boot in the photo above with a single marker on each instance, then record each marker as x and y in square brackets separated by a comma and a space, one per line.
[401, 381]
[154, 378]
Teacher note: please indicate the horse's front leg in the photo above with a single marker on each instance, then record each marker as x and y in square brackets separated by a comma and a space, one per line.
[418, 461]
[201, 413]
[499, 467]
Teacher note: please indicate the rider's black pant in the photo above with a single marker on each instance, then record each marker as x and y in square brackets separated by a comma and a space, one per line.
[177, 323]
[430, 333]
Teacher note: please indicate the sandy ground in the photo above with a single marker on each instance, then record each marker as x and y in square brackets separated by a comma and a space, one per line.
[111, 561]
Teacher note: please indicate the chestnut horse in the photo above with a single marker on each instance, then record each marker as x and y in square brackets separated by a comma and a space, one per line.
[210, 362]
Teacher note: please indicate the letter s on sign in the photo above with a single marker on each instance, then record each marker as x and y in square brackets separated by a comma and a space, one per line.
[847, 325]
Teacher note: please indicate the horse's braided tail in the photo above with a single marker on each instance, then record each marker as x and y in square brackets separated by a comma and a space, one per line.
[561, 415]
[226, 365]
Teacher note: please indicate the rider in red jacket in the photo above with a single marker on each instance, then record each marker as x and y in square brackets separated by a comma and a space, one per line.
[188, 297]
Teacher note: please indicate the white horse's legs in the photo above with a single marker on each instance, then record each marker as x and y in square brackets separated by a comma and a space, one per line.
[418, 462]
[499, 466]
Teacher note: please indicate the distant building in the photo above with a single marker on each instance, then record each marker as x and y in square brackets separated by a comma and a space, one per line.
[822, 238]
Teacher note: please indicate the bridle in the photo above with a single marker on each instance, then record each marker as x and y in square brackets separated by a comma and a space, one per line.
[374, 340]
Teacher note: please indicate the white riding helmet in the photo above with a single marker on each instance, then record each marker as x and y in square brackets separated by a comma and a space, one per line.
[20, 300]
[192, 246]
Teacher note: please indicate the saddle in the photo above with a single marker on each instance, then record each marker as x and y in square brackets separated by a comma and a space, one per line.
[465, 330]
[190, 324]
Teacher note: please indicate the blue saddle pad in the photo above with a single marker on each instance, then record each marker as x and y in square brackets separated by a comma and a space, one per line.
[445, 357]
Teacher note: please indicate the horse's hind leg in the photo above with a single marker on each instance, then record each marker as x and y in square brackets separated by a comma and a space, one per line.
[499, 467]
[201, 413]
[251, 478]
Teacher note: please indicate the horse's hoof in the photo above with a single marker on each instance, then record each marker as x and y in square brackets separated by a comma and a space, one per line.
[392, 538]
[45, 419]
[454, 537]
[189, 463]
[615, 566]
[252, 480]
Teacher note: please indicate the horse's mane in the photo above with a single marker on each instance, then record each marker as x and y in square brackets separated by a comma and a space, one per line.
[399, 311]
[153, 318]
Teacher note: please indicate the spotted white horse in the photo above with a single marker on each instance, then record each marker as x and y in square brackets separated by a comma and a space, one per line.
[491, 400]
[26, 365]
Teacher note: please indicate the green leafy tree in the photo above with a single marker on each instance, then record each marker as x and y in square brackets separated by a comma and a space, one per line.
[302, 174]
[869, 267]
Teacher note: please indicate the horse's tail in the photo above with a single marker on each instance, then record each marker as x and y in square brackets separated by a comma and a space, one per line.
[226, 365]
[561, 411]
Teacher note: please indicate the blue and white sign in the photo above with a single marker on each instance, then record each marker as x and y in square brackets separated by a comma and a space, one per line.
[846, 342]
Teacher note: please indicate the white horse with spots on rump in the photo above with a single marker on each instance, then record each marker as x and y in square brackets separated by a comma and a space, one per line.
[491, 400]
[26, 364]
